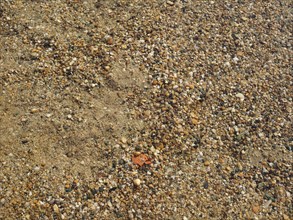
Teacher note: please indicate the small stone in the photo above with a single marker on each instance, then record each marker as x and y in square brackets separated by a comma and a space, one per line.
[240, 96]
[239, 166]
[49, 115]
[240, 53]
[170, 3]
[255, 208]
[136, 182]
[34, 55]
[2, 201]
[124, 46]
[228, 169]
[285, 217]
[23, 119]
[37, 168]
[109, 204]
[205, 185]
[69, 117]
[207, 163]
[235, 59]
[267, 204]
[124, 140]
[147, 113]
[261, 135]
[34, 110]
[136, 153]
[194, 121]
[110, 41]
[55, 208]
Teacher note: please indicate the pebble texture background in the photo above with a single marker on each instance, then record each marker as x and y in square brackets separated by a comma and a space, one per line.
[145, 109]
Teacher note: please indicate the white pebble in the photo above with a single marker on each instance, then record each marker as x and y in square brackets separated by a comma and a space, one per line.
[240, 96]
[136, 182]
[37, 168]
[56, 209]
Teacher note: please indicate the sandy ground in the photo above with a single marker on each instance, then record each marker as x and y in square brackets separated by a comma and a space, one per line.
[145, 109]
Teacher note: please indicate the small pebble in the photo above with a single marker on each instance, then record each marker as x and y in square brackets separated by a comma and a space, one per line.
[137, 182]
[256, 208]
[205, 185]
[240, 96]
[124, 46]
[2, 201]
[34, 110]
[207, 163]
[136, 153]
[55, 208]
[124, 140]
[49, 115]
[37, 168]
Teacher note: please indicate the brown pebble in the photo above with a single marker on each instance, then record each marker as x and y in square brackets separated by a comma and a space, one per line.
[194, 121]
[207, 163]
[110, 41]
[255, 208]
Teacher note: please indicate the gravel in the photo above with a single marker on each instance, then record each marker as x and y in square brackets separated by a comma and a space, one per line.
[202, 89]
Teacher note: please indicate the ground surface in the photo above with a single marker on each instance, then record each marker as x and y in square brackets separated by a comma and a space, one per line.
[201, 89]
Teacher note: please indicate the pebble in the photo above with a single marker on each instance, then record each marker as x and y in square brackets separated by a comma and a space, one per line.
[256, 208]
[34, 110]
[136, 153]
[240, 96]
[124, 46]
[49, 115]
[207, 163]
[147, 113]
[137, 182]
[205, 185]
[124, 140]
[239, 166]
[267, 204]
[56, 208]
[107, 68]
[37, 168]
[2, 201]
